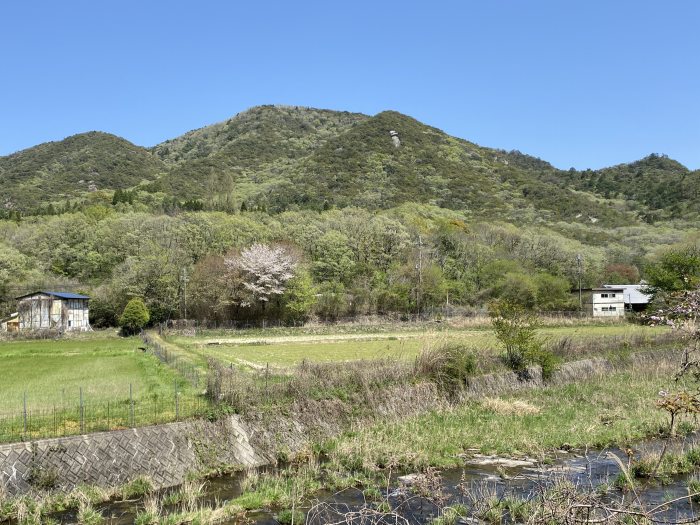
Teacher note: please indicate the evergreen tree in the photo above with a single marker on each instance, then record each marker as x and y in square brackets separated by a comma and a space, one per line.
[134, 317]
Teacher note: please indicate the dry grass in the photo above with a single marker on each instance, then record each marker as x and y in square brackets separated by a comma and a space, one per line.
[510, 407]
[356, 381]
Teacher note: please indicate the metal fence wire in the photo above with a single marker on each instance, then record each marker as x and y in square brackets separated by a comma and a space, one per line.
[186, 369]
[30, 423]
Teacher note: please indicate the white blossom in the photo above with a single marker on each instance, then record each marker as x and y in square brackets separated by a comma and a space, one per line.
[264, 271]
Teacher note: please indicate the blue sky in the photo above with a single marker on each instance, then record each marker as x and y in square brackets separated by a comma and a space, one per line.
[583, 84]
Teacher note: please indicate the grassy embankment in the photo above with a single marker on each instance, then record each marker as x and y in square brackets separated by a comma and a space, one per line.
[103, 365]
[614, 410]
[597, 413]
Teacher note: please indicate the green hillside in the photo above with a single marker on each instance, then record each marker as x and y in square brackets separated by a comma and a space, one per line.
[281, 158]
[663, 185]
[245, 153]
[362, 167]
[382, 214]
[72, 167]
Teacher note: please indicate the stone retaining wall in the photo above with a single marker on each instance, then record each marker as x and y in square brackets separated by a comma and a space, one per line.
[164, 453]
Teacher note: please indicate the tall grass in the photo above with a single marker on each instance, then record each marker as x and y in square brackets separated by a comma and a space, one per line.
[245, 391]
[599, 412]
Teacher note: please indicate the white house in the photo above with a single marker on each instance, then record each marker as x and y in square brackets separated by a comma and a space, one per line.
[53, 311]
[605, 302]
[635, 299]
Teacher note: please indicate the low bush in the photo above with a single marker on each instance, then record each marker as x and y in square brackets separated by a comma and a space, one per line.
[516, 331]
[136, 488]
[448, 364]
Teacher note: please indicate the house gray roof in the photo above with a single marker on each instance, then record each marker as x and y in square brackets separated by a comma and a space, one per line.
[60, 295]
[632, 292]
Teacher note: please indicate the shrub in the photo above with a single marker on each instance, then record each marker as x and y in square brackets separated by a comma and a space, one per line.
[134, 317]
[546, 360]
[136, 488]
[516, 331]
[449, 364]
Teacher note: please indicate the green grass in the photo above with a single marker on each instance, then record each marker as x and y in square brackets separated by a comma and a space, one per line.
[617, 409]
[288, 350]
[51, 373]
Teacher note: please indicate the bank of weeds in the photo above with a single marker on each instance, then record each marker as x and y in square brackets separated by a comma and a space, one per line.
[599, 412]
[173, 507]
[606, 411]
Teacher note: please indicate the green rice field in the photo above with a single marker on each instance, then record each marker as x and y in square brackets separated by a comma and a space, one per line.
[51, 373]
[288, 350]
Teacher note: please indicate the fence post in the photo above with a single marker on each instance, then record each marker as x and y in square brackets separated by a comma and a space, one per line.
[82, 413]
[25, 413]
[177, 404]
[131, 404]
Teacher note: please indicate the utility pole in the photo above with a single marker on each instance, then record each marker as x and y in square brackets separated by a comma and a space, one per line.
[184, 292]
[579, 266]
[419, 267]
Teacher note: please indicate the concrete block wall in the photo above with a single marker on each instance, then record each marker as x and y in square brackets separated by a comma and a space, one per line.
[164, 453]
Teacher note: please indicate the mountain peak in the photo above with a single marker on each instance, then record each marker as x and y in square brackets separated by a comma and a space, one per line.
[281, 157]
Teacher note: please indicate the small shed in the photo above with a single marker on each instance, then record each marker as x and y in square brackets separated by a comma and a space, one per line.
[44, 310]
[10, 324]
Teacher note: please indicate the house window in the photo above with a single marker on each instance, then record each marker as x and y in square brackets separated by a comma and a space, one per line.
[70, 322]
[612, 295]
[604, 295]
[609, 308]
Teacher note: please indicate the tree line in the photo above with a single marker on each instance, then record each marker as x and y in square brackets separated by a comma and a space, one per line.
[407, 260]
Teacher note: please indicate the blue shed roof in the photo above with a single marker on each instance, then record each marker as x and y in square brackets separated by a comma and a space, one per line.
[60, 295]
[67, 295]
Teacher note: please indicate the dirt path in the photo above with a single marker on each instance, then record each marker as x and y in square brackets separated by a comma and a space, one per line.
[331, 338]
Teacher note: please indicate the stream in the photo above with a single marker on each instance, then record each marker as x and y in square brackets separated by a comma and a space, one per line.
[487, 475]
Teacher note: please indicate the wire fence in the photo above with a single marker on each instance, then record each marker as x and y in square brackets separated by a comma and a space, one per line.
[61, 419]
[185, 368]
[29, 423]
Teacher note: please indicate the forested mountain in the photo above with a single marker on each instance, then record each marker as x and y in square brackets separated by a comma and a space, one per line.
[73, 167]
[379, 214]
[663, 185]
[281, 158]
